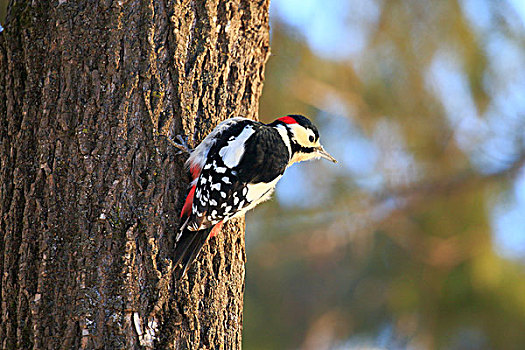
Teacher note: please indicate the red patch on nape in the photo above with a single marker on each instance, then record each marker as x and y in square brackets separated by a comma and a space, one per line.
[186, 209]
[216, 229]
[288, 120]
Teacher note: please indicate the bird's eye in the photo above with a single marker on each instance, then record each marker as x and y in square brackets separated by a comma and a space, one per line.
[311, 138]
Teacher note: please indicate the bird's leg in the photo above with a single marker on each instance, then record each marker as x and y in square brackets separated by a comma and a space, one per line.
[181, 144]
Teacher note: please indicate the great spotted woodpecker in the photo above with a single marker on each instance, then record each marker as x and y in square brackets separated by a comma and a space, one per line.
[235, 168]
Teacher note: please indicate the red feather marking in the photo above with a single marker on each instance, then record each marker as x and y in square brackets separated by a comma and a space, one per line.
[216, 229]
[195, 171]
[186, 209]
[288, 120]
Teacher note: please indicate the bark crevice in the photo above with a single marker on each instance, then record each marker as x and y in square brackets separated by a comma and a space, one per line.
[90, 188]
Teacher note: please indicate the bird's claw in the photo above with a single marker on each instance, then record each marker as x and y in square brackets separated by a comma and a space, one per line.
[181, 144]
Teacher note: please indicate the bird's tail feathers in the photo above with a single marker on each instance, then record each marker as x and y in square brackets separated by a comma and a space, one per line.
[188, 246]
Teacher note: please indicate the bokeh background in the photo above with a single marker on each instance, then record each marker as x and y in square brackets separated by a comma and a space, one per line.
[416, 239]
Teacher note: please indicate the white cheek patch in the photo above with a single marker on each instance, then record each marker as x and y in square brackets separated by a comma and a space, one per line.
[232, 153]
[310, 135]
[302, 135]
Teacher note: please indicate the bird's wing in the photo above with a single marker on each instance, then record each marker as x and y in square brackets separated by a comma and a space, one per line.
[238, 175]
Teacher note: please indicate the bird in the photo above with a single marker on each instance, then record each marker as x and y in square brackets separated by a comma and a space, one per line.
[235, 168]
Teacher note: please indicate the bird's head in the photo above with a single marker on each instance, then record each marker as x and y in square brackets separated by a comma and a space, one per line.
[304, 139]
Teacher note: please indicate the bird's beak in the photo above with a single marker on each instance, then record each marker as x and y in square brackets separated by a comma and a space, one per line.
[323, 154]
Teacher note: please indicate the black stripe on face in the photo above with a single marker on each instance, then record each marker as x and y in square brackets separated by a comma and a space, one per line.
[306, 149]
[297, 148]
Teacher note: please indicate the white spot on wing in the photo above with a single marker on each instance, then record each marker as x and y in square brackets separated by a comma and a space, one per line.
[226, 180]
[221, 169]
[200, 154]
[216, 187]
[232, 153]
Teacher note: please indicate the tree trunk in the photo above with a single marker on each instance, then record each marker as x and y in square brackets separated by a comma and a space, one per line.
[91, 190]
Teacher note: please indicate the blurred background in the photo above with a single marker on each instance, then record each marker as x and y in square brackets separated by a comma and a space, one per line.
[416, 238]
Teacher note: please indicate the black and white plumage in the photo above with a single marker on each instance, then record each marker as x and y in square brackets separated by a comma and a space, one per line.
[237, 167]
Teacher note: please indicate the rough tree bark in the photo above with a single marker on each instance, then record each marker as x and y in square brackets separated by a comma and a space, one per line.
[90, 188]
